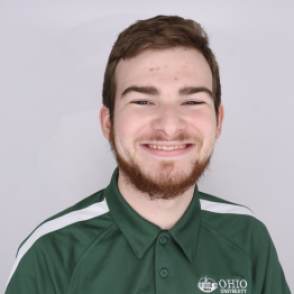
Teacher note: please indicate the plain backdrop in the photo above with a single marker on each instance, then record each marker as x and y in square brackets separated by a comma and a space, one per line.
[53, 55]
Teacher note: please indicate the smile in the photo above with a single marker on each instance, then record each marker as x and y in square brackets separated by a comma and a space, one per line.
[166, 147]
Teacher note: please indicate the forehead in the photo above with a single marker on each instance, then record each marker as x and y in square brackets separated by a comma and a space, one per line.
[185, 66]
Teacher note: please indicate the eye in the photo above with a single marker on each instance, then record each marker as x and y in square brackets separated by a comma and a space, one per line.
[193, 102]
[141, 102]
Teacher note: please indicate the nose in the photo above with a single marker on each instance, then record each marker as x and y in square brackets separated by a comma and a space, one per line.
[169, 121]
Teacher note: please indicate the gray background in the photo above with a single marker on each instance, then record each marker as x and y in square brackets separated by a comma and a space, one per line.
[53, 55]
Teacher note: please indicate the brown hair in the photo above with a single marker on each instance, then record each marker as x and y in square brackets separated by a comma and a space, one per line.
[160, 32]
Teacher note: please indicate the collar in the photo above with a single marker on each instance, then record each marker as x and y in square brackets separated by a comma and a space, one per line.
[140, 233]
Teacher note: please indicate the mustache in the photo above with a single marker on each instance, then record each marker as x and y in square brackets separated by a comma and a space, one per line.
[181, 137]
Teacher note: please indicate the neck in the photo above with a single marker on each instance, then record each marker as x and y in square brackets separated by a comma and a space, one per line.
[163, 213]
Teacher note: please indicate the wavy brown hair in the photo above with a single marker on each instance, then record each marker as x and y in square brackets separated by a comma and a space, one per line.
[160, 32]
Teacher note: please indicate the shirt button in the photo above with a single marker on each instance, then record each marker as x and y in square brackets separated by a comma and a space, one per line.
[163, 272]
[162, 240]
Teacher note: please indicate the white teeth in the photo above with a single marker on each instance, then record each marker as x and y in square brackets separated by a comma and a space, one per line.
[166, 147]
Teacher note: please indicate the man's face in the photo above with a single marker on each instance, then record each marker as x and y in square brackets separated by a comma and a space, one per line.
[165, 124]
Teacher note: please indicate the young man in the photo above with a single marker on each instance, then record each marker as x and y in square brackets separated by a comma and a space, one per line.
[151, 230]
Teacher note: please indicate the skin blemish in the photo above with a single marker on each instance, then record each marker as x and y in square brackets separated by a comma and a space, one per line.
[176, 78]
[151, 69]
[157, 68]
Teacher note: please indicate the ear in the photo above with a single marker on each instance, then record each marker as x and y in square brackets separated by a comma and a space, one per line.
[105, 124]
[221, 114]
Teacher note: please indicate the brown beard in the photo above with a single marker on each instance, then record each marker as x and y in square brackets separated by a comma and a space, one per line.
[163, 186]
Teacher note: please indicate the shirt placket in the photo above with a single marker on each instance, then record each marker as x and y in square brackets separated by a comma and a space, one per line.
[164, 271]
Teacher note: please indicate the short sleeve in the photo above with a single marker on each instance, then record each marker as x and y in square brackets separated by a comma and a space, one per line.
[268, 276]
[31, 275]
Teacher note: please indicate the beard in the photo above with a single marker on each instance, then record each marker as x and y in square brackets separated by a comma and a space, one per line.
[165, 184]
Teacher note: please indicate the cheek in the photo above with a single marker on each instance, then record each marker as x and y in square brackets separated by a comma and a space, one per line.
[205, 124]
[128, 125]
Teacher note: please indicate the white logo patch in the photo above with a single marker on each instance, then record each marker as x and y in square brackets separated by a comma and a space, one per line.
[207, 285]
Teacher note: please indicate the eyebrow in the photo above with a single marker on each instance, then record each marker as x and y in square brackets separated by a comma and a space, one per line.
[193, 90]
[150, 90]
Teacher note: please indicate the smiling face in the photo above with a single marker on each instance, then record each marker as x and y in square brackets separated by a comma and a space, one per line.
[165, 123]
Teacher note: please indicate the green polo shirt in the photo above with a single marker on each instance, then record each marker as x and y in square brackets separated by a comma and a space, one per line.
[102, 246]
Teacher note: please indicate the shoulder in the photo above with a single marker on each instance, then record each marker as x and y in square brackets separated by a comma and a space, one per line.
[65, 236]
[213, 204]
[233, 222]
[89, 208]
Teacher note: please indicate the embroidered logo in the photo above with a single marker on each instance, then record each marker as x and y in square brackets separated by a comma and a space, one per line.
[233, 286]
[207, 285]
